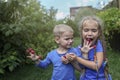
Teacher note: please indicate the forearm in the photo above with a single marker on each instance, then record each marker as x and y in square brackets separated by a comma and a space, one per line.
[41, 64]
[87, 63]
[76, 65]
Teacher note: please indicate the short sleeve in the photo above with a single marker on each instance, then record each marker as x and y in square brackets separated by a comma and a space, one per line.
[99, 47]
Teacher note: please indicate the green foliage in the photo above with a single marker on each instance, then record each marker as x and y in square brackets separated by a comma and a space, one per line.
[71, 23]
[24, 24]
[74, 26]
[111, 19]
[10, 60]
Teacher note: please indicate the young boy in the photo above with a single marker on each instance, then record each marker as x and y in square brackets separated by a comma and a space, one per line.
[63, 35]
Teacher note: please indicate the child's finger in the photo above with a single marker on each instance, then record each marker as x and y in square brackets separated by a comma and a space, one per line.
[64, 60]
[70, 59]
[71, 54]
[93, 47]
[90, 43]
[29, 57]
[67, 56]
[85, 42]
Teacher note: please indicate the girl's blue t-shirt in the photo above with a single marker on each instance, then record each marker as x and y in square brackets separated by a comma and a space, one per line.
[61, 71]
[91, 74]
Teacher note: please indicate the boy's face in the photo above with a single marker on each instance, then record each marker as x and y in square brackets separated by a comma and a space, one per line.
[90, 31]
[65, 40]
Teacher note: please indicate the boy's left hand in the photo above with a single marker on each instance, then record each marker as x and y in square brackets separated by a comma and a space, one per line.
[64, 59]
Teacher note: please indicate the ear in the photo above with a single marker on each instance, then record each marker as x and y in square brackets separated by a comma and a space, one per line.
[57, 40]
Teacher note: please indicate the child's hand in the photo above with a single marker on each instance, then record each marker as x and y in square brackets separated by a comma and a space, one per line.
[64, 59]
[32, 55]
[71, 56]
[87, 47]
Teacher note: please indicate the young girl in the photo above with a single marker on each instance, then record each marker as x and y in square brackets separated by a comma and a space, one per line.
[63, 35]
[92, 50]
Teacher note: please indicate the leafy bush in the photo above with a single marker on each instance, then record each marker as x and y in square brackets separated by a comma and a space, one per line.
[23, 24]
[111, 18]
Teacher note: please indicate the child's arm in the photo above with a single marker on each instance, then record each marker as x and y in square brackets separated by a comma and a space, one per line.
[92, 64]
[76, 66]
[73, 62]
[96, 64]
[87, 63]
[38, 59]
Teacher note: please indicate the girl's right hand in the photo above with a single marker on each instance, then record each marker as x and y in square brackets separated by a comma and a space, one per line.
[86, 47]
[71, 56]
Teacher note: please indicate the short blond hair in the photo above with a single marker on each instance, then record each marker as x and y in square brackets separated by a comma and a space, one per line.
[59, 29]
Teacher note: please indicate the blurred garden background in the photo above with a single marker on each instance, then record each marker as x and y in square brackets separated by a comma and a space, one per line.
[27, 24]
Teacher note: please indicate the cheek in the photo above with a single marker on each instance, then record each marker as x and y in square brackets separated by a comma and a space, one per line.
[83, 34]
[96, 34]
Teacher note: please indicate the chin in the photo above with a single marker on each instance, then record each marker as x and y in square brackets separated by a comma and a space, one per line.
[69, 46]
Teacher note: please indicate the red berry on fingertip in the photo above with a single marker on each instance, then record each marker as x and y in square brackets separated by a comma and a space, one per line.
[64, 56]
[32, 51]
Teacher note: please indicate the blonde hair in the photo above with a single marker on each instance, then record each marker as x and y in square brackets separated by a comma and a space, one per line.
[100, 29]
[59, 29]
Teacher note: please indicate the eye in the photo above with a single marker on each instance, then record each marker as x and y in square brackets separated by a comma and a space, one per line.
[69, 38]
[85, 30]
[94, 30]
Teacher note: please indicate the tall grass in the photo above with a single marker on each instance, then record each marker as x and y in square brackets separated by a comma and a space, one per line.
[114, 64]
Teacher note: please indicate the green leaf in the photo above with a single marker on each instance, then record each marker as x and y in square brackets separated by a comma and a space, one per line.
[1, 71]
[11, 68]
[17, 29]
[7, 46]
[9, 32]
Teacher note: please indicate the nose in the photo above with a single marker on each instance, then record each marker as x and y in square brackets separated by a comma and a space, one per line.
[71, 40]
[90, 33]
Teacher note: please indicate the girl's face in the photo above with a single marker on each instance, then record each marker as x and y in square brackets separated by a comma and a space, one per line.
[65, 41]
[90, 31]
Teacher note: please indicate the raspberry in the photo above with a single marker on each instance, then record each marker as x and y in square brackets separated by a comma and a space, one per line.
[30, 50]
[64, 56]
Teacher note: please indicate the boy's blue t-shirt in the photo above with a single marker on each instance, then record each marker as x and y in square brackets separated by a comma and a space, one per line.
[61, 71]
[91, 74]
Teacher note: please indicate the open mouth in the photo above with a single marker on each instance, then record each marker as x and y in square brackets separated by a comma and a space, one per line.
[89, 40]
